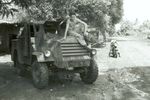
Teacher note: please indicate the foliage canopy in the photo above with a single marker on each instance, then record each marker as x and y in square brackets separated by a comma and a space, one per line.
[103, 14]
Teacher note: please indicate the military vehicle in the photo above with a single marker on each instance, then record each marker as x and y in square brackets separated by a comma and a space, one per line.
[40, 47]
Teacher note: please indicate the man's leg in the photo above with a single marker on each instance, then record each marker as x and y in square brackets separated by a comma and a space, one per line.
[80, 39]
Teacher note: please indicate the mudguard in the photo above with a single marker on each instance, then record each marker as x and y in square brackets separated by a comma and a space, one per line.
[41, 58]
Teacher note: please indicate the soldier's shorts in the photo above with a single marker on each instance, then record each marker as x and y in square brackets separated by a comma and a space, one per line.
[79, 37]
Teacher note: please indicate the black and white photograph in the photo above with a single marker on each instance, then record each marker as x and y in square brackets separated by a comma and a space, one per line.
[74, 50]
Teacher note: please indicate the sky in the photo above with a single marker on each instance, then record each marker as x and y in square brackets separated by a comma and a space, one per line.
[137, 9]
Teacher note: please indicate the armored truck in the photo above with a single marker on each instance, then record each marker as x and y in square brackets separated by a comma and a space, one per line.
[40, 48]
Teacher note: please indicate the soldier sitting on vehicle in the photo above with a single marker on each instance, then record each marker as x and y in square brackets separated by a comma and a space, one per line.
[73, 28]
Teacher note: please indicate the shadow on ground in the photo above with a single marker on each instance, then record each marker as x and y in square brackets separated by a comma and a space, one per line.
[114, 84]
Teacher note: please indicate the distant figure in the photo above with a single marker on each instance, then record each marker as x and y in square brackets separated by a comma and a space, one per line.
[114, 52]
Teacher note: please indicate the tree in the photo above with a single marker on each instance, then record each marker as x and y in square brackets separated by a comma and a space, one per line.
[126, 26]
[116, 11]
[103, 14]
[6, 9]
[41, 11]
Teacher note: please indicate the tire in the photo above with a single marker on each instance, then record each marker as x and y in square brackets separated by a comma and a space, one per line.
[110, 54]
[115, 54]
[90, 74]
[19, 68]
[40, 75]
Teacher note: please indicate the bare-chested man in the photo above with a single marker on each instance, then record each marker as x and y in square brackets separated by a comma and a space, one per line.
[77, 28]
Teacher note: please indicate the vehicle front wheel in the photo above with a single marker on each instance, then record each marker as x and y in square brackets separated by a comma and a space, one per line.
[40, 74]
[90, 74]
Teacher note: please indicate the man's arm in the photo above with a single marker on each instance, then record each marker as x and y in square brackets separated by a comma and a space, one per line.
[85, 25]
[66, 30]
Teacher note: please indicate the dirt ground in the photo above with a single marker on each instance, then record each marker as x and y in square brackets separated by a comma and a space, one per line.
[124, 78]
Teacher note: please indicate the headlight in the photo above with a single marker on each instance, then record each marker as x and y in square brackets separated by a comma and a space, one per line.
[94, 52]
[47, 53]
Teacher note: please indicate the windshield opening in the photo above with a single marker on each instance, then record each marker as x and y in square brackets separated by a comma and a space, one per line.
[50, 27]
[54, 28]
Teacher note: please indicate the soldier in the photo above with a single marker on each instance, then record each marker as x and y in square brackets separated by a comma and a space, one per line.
[74, 28]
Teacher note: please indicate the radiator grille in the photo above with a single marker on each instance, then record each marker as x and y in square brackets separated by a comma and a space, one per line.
[74, 54]
[73, 50]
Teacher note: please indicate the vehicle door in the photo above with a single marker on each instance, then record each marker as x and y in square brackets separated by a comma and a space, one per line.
[24, 45]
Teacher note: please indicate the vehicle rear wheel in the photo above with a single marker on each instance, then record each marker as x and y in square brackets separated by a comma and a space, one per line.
[19, 68]
[115, 54]
[90, 74]
[40, 74]
[110, 54]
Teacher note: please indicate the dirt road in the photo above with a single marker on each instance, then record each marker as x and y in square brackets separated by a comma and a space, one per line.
[124, 78]
[134, 53]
